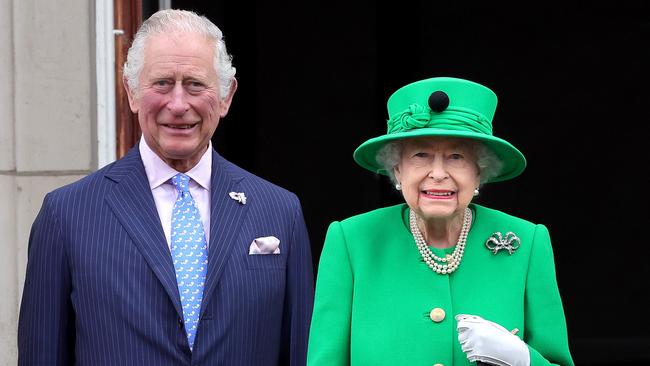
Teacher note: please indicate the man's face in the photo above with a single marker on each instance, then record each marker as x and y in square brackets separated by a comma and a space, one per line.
[178, 101]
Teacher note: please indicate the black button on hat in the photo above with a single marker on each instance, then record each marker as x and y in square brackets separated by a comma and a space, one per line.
[438, 101]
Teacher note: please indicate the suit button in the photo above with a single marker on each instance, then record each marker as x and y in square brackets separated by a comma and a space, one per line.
[437, 315]
[438, 364]
[180, 322]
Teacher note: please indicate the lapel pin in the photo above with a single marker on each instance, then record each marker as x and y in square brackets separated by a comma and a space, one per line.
[238, 196]
[497, 241]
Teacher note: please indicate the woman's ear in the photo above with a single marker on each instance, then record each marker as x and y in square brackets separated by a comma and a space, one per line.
[397, 173]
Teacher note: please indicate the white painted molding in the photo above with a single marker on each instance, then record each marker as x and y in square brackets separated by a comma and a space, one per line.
[164, 4]
[105, 72]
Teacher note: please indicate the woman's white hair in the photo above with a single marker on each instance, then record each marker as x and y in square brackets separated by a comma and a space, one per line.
[487, 161]
[172, 21]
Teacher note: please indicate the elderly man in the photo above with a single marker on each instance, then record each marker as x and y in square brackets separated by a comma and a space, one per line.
[171, 255]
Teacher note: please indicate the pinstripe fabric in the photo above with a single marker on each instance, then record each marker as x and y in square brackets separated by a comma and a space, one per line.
[100, 287]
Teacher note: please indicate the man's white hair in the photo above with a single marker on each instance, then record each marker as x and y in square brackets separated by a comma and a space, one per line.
[171, 21]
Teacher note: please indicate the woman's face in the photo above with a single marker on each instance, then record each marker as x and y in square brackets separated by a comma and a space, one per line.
[438, 176]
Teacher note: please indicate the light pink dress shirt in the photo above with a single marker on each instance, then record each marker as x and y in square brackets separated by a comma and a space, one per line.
[164, 193]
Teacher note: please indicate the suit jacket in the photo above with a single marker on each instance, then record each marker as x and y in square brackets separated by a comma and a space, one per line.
[100, 287]
[374, 293]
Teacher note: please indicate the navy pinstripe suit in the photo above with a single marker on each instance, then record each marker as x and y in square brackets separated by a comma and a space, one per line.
[100, 286]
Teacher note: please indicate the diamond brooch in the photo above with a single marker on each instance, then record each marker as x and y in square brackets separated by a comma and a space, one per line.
[497, 241]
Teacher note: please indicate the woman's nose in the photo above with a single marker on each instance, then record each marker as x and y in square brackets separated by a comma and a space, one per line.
[438, 170]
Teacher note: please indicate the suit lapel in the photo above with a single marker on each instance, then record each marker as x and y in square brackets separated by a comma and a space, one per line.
[226, 218]
[132, 202]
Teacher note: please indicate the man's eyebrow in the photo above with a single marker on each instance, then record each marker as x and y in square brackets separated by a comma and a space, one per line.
[158, 75]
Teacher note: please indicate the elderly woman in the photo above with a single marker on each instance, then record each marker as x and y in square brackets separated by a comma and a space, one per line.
[438, 280]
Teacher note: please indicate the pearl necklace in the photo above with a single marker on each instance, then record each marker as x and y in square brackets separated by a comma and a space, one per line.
[450, 262]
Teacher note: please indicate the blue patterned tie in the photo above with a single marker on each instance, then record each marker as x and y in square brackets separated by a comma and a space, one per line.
[189, 253]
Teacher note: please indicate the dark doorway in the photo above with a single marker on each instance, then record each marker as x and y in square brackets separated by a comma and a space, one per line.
[572, 82]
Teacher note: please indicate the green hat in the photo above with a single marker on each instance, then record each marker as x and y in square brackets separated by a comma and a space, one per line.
[443, 106]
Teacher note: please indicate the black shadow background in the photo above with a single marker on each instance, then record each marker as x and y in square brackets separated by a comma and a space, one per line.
[572, 82]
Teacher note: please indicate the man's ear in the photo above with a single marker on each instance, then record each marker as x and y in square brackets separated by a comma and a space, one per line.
[225, 103]
[133, 103]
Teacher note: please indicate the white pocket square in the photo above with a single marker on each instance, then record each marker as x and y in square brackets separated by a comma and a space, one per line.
[265, 245]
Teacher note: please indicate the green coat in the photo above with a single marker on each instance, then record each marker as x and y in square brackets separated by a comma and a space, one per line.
[374, 294]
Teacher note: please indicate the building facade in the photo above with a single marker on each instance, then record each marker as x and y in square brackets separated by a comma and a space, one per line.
[51, 131]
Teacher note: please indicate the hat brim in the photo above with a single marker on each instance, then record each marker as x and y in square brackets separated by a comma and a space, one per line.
[513, 160]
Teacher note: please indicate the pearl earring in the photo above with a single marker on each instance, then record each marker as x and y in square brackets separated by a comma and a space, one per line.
[475, 191]
[398, 186]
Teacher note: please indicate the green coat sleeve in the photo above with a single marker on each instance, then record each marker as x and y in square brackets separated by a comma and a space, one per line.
[545, 332]
[329, 337]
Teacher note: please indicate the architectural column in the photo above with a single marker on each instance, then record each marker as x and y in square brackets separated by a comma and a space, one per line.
[47, 129]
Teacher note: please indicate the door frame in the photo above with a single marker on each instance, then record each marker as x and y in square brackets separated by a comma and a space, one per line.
[127, 19]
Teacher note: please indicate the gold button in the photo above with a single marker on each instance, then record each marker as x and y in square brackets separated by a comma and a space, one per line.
[437, 315]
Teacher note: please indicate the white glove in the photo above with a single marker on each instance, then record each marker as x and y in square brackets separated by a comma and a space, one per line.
[485, 341]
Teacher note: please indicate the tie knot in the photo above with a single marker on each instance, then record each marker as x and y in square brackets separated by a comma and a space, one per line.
[181, 182]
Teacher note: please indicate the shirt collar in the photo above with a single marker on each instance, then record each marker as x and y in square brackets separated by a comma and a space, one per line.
[158, 172]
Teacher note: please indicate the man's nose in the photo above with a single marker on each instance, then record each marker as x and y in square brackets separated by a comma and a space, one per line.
[178, 103]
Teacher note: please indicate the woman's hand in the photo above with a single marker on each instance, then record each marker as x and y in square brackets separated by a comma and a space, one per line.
[488, 342]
